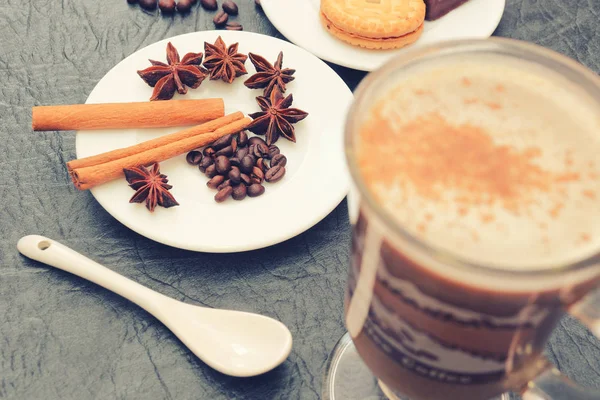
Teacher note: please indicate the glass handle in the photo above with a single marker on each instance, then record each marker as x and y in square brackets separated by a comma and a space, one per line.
[551, 384]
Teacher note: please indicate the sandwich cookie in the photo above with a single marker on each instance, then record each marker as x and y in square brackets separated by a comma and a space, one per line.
[374, 24]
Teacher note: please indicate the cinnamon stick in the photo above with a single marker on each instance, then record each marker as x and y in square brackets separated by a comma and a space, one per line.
[149, 114]
[88, 177]
[150, 144]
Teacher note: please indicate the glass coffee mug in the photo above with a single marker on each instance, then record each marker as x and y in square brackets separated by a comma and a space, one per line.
[475, 223]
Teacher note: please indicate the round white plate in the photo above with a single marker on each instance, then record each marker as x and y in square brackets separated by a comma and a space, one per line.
[298, 21]
[316, 179]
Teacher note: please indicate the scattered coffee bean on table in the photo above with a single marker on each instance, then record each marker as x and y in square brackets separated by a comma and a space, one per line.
[230, 7]
[238, 166]
[221, 18]
[234, 26]
[184, 6]
[148, 4]
[166, 6]
[210, 5]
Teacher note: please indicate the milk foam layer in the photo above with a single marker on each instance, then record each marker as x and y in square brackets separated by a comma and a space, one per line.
[522, 107]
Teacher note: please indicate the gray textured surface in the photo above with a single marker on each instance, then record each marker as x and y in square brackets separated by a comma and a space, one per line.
[62, 338]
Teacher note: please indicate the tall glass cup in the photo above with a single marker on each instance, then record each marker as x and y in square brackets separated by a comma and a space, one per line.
[476, 223]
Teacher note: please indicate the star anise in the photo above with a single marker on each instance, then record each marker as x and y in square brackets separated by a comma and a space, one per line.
[268, 76]
[176, 75]
[224, 62]
[150, 185]
[276, 118]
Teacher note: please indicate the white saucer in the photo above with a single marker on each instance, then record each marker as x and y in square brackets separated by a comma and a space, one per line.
[316, 179]
[298, 21]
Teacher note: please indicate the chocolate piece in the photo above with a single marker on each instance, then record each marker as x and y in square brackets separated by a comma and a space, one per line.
[438, 8]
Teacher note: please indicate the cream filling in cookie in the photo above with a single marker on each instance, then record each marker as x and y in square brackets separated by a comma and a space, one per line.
[381, 39]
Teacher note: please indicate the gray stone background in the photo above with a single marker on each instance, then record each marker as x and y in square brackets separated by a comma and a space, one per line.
[64, 338]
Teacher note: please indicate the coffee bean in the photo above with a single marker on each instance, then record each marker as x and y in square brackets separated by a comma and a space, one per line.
[234, 26]
[261, 150]
[205, 163]
[225, 151]
[234, 145]
[257, 172]
[255, 151]
[273, 150]
[243, 139]
[255, 179]
[241, 152]
[262, 164]
[184, 6]
[222, 142]
[246, 164]
[274, 174]
[210, 5]
[223, 194]
[264, 149]
[220, 19]
[210, 171]
[239, 192]
[132, 1]
[208, 151]
[194, 157]
[224, 184]
[255, 140]
[234, 161]
[235, 175]
[166, 6]
[230, 7]
[255, 190]
[222, 164]
[148, 4]
[245, 179]
[278, 159]
[215, 181]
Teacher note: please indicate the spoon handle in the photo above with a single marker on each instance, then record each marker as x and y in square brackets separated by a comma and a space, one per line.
[52, 253]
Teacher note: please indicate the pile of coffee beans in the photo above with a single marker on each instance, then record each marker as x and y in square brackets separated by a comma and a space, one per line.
[237, 165]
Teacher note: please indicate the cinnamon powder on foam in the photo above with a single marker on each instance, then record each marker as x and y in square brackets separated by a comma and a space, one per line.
[435, 158]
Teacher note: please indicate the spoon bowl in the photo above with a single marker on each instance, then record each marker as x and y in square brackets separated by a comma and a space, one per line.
[234, 343]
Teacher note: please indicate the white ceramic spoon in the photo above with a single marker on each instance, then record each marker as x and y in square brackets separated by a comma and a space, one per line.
[232, 342]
